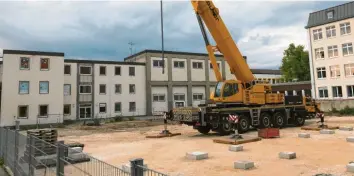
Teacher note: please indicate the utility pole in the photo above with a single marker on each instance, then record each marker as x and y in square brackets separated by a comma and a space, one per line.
[131, 47]
[163, 57]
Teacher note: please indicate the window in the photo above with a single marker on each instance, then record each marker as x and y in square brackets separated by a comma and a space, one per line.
[117, 70]
[319, 53]
[337, 91]
[43, 111]
[323, 92]
[102, 107]
[131, 88]
[43, 87]
[198, 65]
[67, 109]
[85, 70]
[102, 88]
[321, 72]
[331, 31]
[131, 71]
[197, 96]
[317, 34]
[67, 89]
[23, 87]
[349, 69]
[178, 64]
[211, 65]
[345, 28]
[118, 88]
[22, 112]
[158, 98]
[179, 97]
[44, 63]
[335, 71]
[157, 63]
[103, 70]
[350, 90]
[24, 63]
[118, 107]
[85, 89]
[132, 106]
[67, 69]
[332, 51]
[330, 14]
[347, 49]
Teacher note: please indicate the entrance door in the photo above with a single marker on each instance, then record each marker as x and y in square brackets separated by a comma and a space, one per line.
[85, 111]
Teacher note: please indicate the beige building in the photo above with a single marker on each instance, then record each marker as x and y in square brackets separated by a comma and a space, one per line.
[331, 41]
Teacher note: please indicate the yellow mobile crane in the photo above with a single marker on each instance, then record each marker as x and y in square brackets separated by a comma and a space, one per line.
[252, 103]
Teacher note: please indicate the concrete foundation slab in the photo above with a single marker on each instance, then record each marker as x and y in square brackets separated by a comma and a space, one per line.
[287, 155]
[235, 148]
[346, 128]
[242, 164]
[196, 155]
[237, 141]
[326, 131]
[163, 135]
[304, 135]
[350, 139]
[350, 167]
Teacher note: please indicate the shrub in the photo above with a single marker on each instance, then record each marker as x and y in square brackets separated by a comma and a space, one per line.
[118, 118]
[131, 118]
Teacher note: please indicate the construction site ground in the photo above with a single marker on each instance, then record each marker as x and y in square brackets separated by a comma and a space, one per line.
[117, 143]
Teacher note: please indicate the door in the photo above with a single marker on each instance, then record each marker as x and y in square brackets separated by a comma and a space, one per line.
[85, 111]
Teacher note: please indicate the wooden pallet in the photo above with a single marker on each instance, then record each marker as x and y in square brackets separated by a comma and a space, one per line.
[314, 128]
[163, 135]
[237, 141]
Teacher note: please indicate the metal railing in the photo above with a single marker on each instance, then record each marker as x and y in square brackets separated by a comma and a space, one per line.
[30, 155]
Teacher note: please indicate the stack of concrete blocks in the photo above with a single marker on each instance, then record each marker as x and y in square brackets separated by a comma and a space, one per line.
[346, 128]
[326, 131]
[196, 155]
[235, 148]
[243, 164]
[287, 155]
[304, 135]
[75, 154]
[127, 168]
[350, 139]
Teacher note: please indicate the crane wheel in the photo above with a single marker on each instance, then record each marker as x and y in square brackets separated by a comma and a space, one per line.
[299, 120]
[224, 129]
[265, 120]
[278, 120]
[243, 124]
[204, 129]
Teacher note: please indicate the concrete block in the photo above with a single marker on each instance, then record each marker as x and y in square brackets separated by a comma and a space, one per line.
[78, 156]
[127, 167]
[350, 139]
[197, 155]
[326, 131]
[350, 167]
[75, 150]
[304, 135]
[346, 128]
[287, 155]
[235, 148]
[242, 164]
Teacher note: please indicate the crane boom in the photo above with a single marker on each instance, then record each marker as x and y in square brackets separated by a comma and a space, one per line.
[224, 42]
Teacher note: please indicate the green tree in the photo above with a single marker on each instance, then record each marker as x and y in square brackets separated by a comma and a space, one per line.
[295, 63]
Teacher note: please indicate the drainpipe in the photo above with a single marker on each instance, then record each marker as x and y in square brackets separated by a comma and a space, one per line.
[313, 84]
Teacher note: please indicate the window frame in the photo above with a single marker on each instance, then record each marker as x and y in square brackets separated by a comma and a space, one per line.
[335, 69]
[133, 73]
[351, 88]
[29, 63]
[332, 31]
[323, 69]
[197, 94]
[130, 89]
[115, 88]
[69, 109]
[19, 87]
[211, 65]
[130, 103]
[39, 87]
[325, 90]
[337, 91]
[318, 32]
[115, 71]
[159, 65]
[99, 108]
[105, 70]
[18, 111]
[39, 111]
[318, 51]
[330, 12]
[179, 94]
[85, 66]
[332, 49]
[69, 90]
[120, 107]
[85, 86]
[40, 64]
[158, 98]
[105, 89]
[347, 46]
[344, 26]
[351, 69]
[67, 65]
[197, 65]
[179, 65]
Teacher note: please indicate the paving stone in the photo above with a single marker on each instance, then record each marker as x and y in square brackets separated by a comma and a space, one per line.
[346, 128]
[326, 131]
[350, 167]
[350, 139]
[243, 164]
[197, 155]
[304, 135]
[287, 155]
[235, 148]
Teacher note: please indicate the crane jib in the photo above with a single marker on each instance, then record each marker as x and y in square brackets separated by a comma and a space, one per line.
[213, 10]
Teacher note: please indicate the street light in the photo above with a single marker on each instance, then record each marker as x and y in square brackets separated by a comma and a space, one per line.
[163, 58]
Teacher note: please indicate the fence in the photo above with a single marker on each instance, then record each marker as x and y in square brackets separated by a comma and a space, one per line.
[26, 154]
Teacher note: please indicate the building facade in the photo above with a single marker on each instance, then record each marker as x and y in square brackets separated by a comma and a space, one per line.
[331, 41]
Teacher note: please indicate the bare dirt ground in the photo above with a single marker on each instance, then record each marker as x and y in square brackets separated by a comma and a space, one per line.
[318, 154]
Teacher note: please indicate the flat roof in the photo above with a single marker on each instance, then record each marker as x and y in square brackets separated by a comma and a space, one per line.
[101, 62]
[266, 71]
[27, 52]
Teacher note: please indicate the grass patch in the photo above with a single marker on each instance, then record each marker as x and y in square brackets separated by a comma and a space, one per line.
[346, 111]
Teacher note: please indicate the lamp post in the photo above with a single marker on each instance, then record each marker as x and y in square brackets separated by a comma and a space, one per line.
[162, 44]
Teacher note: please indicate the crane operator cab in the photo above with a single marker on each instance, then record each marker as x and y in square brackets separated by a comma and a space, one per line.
[228, 91]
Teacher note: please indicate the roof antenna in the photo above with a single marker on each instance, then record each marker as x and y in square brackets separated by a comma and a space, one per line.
[163, 58]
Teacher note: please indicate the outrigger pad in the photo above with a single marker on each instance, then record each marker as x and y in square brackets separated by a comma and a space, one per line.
[237, 141]
[161, 135]
[318, 129]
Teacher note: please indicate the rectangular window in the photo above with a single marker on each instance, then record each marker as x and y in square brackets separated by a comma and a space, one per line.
[117, 70]
[102, 70]
[22, 112]
[67, 109]
[337, 91]
[44, 63]
[103, 107]
[178, 64]
[332, 51]
[132, 106]
[197, 96]
[67, 89]
[117, 107]
[321, 72]
[131, 88]
[317, 34]
[179, 97]
[43, 87]
[43, 111]
[319, 53]
[211, 65]
[24, 63]
[85, 70]
[323, 92]
[345, 28]
[157, 63]
[67, 69]
[158, 98]
[23, 87]
[349, 69]
[197, 65]
[118, 88]
[131, 71]
[85, 89]
[347, 49]
[350, 90]
[335, 71]
[102, 88]
[331, 31]
[330, 14]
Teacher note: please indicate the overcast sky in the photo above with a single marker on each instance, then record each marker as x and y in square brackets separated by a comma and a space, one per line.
[102, 30]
